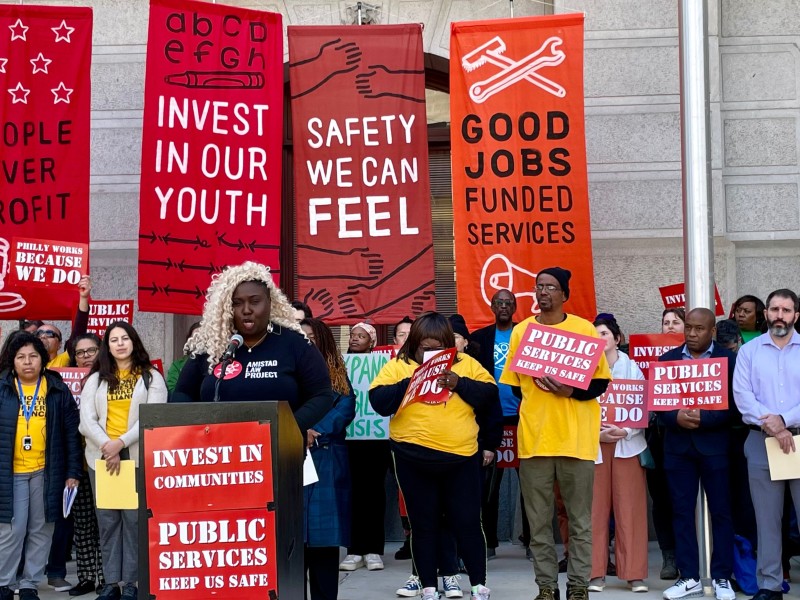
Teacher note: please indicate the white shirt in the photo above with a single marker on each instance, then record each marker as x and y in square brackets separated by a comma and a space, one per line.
[633, 443]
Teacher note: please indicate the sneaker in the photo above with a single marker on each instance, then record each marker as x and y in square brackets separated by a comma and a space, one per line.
[351, 562]
[374, 562]
[597, 584]
[412, 588]
[6, 593]
[59, 584]
[723, 590]
[404, 553]
[577, 593]
[109, 592]
[763, 594]
[481, 593]
[129, 592]
[684, 588]
[28, 594]
[669, 570]
[638, 586]
[83, 587]
[548, 593]
[430, 594]
[451, 587]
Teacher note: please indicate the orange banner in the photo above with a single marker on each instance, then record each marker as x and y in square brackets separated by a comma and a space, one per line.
[520, 192]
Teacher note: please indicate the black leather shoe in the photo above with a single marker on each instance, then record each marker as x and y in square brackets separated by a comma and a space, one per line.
[768, 595]
[83, 587]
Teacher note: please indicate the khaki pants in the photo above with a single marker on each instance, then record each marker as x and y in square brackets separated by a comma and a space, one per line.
[575, 480]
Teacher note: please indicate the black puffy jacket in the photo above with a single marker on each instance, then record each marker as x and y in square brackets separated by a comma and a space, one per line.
[63, 454]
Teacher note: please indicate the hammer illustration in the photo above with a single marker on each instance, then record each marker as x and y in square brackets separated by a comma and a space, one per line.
[513, 71]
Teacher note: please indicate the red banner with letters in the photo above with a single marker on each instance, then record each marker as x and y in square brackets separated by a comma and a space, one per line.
[645, 348]
[45, 93]
[568, 357]
[674, 296]
[423, 386]
[624, 403]
[678, 384]
[46, 264]
[104, 312]
[73, 377]
[362, 192]
[520, 190]
[211, 149]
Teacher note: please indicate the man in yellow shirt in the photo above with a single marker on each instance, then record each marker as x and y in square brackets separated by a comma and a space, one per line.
[51, 335]
[558, 438]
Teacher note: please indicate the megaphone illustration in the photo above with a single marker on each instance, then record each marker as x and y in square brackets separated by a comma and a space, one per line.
[500, 273]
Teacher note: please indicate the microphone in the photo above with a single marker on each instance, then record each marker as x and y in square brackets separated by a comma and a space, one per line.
[235, 342]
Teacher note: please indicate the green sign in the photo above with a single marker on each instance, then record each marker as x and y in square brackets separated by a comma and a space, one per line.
[362, 369]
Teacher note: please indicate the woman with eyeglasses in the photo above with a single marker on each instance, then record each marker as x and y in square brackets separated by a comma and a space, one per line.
[120, 381]
[51, 335]
[40, 455]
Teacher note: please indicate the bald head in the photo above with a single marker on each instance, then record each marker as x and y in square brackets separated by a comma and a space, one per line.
[699, 330]
[703, 313]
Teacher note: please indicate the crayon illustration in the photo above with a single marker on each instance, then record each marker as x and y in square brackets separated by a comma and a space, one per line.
[249, 80]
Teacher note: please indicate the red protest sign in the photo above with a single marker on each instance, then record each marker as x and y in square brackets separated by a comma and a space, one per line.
[104, 312]
[45, 56]
[678, 384]
[230, 462]
[213, 554]
[645, 348]
[674, 296]
[158, 364]
[624, 403]
[73, 377]
[211, 148]
[423, 386]
[39, 263]
[507, 457]
[568, 357]
[389, 351]
[362, 192]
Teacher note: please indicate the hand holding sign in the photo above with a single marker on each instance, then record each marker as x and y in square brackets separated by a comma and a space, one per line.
[689, 418]
[432, 380]
[611, 434]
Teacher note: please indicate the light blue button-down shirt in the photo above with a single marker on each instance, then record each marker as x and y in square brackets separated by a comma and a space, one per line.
[767, 380]
[686, 355]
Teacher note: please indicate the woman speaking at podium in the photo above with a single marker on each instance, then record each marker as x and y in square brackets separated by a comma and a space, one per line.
[275, 360]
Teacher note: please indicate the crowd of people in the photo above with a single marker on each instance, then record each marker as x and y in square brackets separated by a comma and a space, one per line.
[595, 475]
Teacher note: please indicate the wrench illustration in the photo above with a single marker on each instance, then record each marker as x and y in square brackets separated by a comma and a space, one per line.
[513, 71]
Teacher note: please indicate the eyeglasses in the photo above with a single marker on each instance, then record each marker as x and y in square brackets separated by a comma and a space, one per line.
[47, 333]
[502, 303]
[549, 287]
[88, 353]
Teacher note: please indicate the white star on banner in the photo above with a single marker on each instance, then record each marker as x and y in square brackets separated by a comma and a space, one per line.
[20, 94]
[18, 31]
[40, 64]
[3, 62]
[61, 93]
[59, 31]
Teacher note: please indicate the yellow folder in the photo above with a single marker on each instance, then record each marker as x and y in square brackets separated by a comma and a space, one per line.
[783, 466]
[116, 492]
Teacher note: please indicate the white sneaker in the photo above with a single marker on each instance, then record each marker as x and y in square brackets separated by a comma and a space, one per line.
[723, 590]
[374, 562]
[482, 593]
[638, 586]
[684, 588]
[412, 588]
[351, 562]
[598, 584]
[430, 594]
[451, 587]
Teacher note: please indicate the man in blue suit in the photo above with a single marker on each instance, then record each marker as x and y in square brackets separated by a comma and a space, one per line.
[696, 451]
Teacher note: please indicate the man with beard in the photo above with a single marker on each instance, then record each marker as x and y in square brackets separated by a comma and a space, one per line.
[766, 387]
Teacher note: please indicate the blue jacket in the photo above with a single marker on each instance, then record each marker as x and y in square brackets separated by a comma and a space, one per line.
[63, 453]
[328, 502]
[712, 438]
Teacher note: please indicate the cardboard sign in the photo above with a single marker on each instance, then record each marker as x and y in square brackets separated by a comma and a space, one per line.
[624, 404]
[216, 554]
[645, 348]
[50, 264]
[229, 462]
[362, 369]
[507, 457]
[104, 312]
[678, 384]
[570, 358]
[674, 296]
[73, 377]
[423, 386]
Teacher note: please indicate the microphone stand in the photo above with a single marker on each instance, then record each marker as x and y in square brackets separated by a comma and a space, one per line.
[223, 369]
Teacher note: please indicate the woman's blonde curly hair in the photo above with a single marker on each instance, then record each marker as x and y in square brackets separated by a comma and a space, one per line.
[216, 326]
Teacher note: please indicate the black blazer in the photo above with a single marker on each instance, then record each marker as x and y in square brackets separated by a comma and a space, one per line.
[713, 436]
[485, 339]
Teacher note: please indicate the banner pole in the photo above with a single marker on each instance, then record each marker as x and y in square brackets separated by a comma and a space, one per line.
[696, 187]
[511, 2]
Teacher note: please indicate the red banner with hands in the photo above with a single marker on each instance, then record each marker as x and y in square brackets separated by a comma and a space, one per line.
[364, 243]
[211, 148]
[45, 55]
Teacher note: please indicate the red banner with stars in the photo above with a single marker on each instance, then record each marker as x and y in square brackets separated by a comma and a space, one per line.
[211, 149]
[45, 93]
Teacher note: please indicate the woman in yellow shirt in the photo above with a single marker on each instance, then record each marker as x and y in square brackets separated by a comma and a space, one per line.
[122, 378]
[435, 450]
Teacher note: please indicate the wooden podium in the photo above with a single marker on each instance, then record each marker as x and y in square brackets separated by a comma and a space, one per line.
[220, 501]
